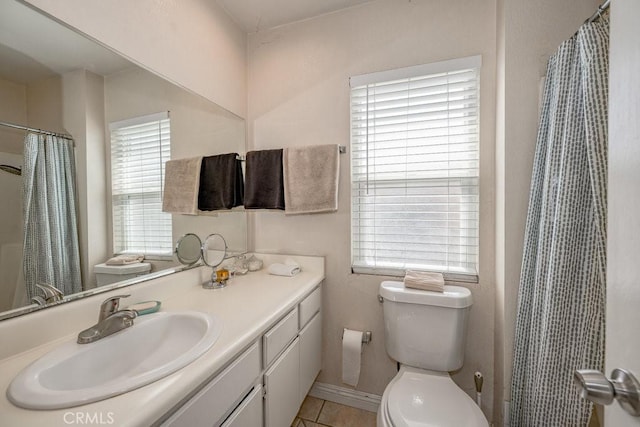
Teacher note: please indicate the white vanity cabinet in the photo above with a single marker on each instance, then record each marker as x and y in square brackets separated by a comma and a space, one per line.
[281, 399]
[310, 354]
[288, 380]
[310, 324]
[212, 404]
[249, 412]
[266, 384]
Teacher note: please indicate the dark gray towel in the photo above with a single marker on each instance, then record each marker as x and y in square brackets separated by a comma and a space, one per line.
[264, 186]
[221, 184]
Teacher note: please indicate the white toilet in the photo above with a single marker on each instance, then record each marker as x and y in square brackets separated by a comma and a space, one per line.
[107, 274]
[425, 332]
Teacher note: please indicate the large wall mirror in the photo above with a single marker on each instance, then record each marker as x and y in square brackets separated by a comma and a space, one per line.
[54, 79]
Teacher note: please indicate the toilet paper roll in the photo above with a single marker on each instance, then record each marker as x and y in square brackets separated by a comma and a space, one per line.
[351, 351]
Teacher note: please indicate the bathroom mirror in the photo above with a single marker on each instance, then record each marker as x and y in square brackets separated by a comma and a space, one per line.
[214, 250]
[189, 249]
[79, 87]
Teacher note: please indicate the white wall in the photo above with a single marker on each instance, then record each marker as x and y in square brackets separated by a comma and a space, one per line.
[298, 85]
[83, 115]
[13, 109]
[191, 42]
[623, 295]
[10, 230]
[198, 128]
[44, 104]
[529, 32]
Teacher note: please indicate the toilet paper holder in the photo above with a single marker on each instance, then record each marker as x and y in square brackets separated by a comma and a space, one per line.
[366, 336]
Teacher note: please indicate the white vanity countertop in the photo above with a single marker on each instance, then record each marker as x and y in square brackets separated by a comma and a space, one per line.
[247, 307]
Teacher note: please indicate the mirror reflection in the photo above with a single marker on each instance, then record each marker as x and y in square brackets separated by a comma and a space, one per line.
[189, 249]
[81, 174]
[214, 250]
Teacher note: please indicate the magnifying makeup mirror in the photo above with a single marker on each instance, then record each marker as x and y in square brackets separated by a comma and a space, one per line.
[214, 251]
[189, 249]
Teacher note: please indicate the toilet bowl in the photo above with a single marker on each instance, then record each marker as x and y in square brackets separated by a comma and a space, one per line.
[425, 332]
[417, 397]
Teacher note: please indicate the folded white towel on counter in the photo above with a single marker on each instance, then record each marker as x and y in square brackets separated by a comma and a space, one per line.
[125, 259]
[424, 281]
[289, 268]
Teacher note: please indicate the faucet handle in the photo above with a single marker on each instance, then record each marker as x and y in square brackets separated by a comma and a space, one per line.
[51, 293]
[110, 306]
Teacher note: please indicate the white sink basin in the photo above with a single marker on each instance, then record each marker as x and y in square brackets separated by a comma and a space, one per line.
[75, 374]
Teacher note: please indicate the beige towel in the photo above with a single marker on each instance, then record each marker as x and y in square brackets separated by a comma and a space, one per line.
[311, 179]
[181, 184]
[125, 260]
[424, 281]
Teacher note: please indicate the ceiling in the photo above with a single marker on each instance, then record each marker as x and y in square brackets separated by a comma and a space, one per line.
[26, 34]
[256, 15]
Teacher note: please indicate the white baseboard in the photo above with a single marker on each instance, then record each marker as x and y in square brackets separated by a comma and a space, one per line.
[505, 413]
[345, 396]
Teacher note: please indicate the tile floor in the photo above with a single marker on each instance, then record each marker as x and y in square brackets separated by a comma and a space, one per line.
[322, 413]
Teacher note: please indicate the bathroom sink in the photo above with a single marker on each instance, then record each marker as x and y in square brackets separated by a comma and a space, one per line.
[76, 374]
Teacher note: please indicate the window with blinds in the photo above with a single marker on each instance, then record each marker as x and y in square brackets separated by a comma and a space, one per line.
[415, 169]
[139, 149]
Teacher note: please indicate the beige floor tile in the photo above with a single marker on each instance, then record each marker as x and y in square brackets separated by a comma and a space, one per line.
[296, 423]
[307, 423]
[336, 415]
[310, 408]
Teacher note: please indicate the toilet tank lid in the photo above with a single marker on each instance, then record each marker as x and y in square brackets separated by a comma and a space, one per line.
[452, 297]
[140, 267]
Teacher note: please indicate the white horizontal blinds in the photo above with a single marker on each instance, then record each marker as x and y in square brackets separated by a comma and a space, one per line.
[139, 149]
[415, 168]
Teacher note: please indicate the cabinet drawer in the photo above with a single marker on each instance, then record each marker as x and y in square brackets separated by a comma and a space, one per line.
[249, 413]
[310, 306]
[278, 337]
[211, 404]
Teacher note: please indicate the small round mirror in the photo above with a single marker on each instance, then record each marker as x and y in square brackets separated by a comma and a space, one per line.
[188, 249]
[214, 250]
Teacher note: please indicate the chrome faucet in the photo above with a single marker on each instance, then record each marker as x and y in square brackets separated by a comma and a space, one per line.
[51, 294]
[110, 321]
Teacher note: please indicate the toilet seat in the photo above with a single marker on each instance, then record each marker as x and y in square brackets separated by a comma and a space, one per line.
[417, 397]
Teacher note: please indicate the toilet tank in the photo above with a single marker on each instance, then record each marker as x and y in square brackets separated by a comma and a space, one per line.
[107, 274]
[425, 329]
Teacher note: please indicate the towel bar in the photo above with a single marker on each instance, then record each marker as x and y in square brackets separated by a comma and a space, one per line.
[341, 148]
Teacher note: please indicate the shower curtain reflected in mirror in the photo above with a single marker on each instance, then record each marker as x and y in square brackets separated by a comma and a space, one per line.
[51, 249]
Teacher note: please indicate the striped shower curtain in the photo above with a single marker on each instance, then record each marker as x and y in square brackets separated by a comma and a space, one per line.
[561, 304]
[51, 250]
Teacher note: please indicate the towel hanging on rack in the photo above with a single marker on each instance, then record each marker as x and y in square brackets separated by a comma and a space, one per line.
[264, 185]
[311, 179]
[181, 184]
[221, 183]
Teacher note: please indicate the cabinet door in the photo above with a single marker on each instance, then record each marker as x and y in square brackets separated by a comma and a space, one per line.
[249, 413]
[310, 354]
[281, 381]
[217, 399]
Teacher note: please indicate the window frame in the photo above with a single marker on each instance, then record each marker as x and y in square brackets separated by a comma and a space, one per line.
[425, 70]
[163, 144]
